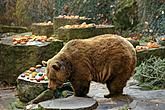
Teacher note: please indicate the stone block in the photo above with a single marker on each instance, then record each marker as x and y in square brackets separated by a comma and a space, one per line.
[42, 29]
[75, 33]
[15, 59]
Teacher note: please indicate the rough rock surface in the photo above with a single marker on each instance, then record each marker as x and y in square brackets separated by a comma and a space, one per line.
[80, 33]
[43, 30]
[134, 98]
[146, 100]
[137, 99]
[70, 103]
[26, 90]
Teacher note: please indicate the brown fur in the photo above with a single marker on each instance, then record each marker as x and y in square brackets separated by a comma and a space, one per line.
[107, 58]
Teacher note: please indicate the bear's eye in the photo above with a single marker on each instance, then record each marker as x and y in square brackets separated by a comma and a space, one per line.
[56, 67]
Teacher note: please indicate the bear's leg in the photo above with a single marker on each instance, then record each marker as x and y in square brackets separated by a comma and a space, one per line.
[81, 88]
[116, 85]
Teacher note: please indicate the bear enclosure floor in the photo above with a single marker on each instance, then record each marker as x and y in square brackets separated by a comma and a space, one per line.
[135, 98]
[7, 96]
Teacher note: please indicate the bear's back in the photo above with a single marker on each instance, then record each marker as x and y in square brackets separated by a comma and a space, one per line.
[102, 55]
[103, 46]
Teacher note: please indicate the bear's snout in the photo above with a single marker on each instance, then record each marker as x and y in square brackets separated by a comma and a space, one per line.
[52, 85]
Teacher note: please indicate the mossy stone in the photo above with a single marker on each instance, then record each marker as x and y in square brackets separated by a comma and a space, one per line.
[43, 30]
[15, 59]
[75, 33]
[27, 90]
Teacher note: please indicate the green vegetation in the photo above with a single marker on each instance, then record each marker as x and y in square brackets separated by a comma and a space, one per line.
[151, 73]
[17, 105]
[125, 107]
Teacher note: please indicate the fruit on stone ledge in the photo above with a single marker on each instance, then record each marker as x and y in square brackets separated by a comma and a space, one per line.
[163, 39]
[152, 44]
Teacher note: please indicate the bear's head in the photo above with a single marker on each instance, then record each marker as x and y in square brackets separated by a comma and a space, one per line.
[57, 72]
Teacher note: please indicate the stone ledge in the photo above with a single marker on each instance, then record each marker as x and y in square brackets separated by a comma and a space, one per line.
[146, 54]
[16, 29]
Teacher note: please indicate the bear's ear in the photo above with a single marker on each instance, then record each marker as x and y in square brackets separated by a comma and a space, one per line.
[56, 67]
[44, 63]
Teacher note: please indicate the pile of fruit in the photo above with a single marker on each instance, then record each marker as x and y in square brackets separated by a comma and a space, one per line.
[83, 25]
[37, 73]
[24, 39]
[163, 38]
[153, 44]
[72, 17]
[149, 45]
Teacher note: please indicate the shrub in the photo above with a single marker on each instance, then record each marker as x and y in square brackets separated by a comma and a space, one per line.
[151, 73]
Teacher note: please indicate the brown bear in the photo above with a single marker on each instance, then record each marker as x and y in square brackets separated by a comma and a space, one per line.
[108, 59]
